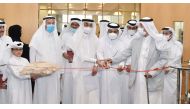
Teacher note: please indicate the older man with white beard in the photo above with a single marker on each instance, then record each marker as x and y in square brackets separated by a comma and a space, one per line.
[144, 54]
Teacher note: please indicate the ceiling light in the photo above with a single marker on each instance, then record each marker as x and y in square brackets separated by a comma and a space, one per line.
[51, 12]
[117, 13]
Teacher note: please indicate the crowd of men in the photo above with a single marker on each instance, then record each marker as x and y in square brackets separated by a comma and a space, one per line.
[128, 66]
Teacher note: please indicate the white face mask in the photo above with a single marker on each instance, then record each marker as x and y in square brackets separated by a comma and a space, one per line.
[168, 37]
[87, 30]
[112, 36]
[131, 32]
[141, 31]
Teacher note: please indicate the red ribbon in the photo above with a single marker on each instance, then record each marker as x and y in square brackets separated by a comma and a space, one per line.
[155, 69]
[90, 68]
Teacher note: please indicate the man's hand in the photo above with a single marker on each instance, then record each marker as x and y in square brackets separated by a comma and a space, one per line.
[104, 63]
[69, 56]
[120, 68]
[167, 70]
[3, 84]
[147, 75]
[34, 77]
[65, 55]
[101, 63]
[108, 60]
[94, 70]
[128, 68]
[108, 63]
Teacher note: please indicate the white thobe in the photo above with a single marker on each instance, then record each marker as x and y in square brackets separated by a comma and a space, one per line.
[127, 93]
[85, 86]
[18, 86]
[4, 57]
[140, 90]
[110, 78]
[47, 88]
[67, 77]
[170, 79]
[140, 87]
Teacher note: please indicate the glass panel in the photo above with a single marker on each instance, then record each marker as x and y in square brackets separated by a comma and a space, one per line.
[94, 15]
[127, 6]
[114, 12]
[79, 14]
[59, 17]
[62, 6]
[42, 14]
[178, 27]
[76, 6]
[94, 6]
[2, 19]
[125, 17]
[137, 7]
[135, 15]
[110, 7]
[45, 6]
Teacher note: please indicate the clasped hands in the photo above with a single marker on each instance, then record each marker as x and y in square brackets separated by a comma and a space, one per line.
[106, 63]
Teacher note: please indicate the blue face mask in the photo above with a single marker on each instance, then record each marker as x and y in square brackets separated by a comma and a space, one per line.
[73, 30]
[50, 28]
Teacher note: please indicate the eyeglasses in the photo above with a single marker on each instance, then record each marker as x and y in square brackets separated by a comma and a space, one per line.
[132, 28]
[113, 30]
[167, 32]
[19, 49]
[86, 24]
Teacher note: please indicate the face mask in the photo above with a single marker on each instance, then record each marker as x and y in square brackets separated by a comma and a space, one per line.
[50, 28]
[141, 31]
[87, 30]
[168, 37]
[73, 30]
[112, 36]
[131, 32]
[1, 33]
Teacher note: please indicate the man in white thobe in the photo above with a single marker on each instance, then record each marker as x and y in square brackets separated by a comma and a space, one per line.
[67, 77]
[127, 36]
[110, 45]
[84, 46]
[144, 56]
[5, 54]
[174, 59]
[45, 47]
[19, 86]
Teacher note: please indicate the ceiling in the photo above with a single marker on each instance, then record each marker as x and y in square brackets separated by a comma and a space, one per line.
[93, 9]
[91, 6]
